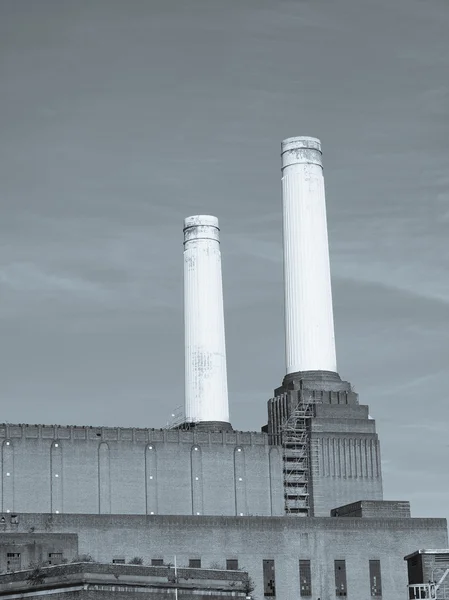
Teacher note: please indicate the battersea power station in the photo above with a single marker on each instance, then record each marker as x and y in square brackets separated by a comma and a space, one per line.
[297, 506]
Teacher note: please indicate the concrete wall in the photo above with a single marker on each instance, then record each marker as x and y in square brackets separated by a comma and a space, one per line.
[121, 592]
[92, 580]
[251, 540]
[138, 471]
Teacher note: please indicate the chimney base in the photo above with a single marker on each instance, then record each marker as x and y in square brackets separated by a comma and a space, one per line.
[211, 426]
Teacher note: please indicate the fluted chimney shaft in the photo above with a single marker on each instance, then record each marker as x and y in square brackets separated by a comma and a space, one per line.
[206, 390]
[309, 322]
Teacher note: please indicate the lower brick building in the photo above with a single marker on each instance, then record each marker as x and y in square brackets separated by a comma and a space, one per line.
[290, 558]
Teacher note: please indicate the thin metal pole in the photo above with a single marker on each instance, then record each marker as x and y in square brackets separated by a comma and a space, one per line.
[176, 580]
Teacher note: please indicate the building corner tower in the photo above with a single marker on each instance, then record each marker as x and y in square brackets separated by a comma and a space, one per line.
[330, 448]
[206, 389]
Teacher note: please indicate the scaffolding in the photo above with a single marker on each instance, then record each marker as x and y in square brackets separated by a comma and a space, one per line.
[300, 457]
[177, 420]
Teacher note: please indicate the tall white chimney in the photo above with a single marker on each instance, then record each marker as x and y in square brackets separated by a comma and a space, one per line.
[206, 388]
[309, 322]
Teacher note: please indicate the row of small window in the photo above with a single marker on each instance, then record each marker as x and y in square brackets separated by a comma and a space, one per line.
[305, 578]
[14, 560]
[232, 564]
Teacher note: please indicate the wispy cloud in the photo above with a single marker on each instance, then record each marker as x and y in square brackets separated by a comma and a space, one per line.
[30, 278]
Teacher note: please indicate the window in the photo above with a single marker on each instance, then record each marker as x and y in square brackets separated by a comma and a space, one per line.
[232, 564]
[269, 581]
[157, 562]
[375, 578]
[118, 561]
[340, 578]
[13, 561]
[55, 558]
[195, 563]
[305, 578]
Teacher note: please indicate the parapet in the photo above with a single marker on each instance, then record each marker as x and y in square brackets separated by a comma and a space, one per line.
[131, 434]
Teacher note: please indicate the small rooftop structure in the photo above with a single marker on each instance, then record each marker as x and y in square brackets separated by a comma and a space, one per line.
[428, 574]
[374, 509]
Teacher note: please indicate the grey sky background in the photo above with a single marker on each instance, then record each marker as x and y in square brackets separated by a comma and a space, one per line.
[118, 119]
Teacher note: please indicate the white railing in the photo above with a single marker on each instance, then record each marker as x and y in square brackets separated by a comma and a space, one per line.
[419, 591]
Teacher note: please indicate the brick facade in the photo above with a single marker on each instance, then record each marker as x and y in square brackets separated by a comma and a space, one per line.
[138, 471]
[253, 540]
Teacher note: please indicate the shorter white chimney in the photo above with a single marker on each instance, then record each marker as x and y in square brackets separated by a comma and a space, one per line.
[206, 389]
[309, 321]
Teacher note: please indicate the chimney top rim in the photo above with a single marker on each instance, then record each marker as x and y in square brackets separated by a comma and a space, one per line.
[201, 221]
[301, 142]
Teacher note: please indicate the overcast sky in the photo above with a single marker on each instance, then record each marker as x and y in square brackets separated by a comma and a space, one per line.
[118, 119]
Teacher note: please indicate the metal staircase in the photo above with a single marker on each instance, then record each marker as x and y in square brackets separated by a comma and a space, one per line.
[296, 454]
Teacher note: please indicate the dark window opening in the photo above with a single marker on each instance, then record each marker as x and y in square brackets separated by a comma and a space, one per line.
[118, 561]
[13, 561]
[157, 562]
[305, 578]
[55, 558]
[232, 564]
[340, 578]
[375, 578]
[269, 580]
[195, 563]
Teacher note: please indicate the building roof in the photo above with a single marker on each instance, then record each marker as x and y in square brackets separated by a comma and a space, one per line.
[129, 578]
[427, 551]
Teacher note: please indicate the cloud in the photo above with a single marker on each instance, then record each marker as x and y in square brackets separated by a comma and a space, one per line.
[408, 384]
[29, 277]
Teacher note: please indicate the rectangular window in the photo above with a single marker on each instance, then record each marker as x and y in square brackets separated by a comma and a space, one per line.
[157, 562]
[195, 563]
[340, 578]
[305, 578]
[13, 561]
[269, 580]
[232, 564]
[54, 558]
[118, 561]
[375, 578]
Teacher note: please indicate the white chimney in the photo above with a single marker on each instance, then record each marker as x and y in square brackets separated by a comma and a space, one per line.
[309, 322]
[206, 389]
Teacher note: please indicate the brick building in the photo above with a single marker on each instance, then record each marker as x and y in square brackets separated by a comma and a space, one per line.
[210, 495]
[286, 557]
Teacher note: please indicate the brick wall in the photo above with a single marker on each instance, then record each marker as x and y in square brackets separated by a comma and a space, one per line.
[251, 540]
[138, 471]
